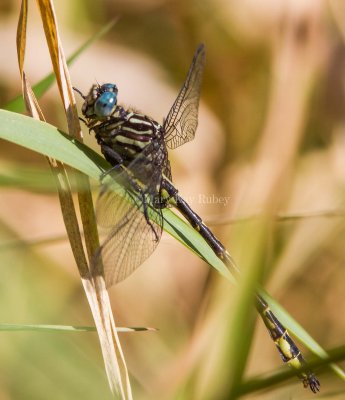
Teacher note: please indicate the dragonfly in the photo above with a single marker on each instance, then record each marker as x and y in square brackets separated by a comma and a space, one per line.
[131, 216]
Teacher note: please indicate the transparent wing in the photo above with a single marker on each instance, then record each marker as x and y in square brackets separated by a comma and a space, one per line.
[124, 199]
[129, 238]
[150, 165]
[182, 120]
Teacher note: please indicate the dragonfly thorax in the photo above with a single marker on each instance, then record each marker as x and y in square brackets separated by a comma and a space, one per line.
[128, 133]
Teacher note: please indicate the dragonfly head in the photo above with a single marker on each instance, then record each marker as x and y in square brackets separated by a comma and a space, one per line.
[101, 101]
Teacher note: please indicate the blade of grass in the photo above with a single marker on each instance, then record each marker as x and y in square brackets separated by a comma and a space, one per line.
[50, 141]
[66, 328]
[56, 167]
[95, 289]
[116, 372]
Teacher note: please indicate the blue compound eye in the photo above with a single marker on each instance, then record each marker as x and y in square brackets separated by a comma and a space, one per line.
[105, 104]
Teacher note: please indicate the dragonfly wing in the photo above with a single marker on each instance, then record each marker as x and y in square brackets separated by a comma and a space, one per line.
[182, 120]
[129, 238]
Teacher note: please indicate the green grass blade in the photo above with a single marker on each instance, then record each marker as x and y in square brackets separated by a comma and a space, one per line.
[186, 235]
[50, 141]
[28, 178]
[64, 328]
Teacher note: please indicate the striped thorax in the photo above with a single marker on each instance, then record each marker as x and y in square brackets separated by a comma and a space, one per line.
[128, 133]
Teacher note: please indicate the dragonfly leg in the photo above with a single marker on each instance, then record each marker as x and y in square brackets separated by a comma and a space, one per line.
[79, 92]
[157, 237]
[110, 154]
[142, 202]
[112, 157]
[146, 214]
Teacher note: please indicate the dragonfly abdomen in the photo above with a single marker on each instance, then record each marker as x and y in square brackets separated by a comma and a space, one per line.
[287, 348]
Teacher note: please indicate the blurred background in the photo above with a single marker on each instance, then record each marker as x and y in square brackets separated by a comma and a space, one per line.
[271, 139]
